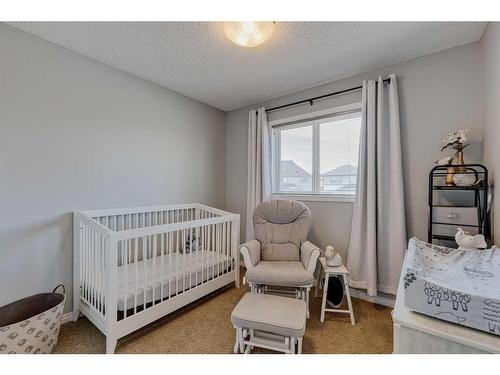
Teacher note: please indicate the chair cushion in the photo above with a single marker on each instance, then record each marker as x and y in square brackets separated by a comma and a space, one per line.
[280, 315]
[282, 273]
[281, 226]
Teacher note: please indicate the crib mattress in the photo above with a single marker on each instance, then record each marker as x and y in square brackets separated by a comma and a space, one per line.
[175, 273]
[459, 286]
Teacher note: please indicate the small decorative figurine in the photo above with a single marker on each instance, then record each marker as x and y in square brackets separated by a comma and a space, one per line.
[333, 259]
[467, 242]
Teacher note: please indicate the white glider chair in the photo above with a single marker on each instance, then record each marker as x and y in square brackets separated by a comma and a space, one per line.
[280, 255]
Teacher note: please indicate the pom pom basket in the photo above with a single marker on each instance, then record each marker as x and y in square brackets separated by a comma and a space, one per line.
[31, 325]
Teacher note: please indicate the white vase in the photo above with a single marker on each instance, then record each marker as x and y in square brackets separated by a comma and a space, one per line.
[464, 179]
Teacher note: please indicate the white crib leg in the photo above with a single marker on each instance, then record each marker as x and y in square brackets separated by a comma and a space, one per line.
[110, 344]
[299, 346]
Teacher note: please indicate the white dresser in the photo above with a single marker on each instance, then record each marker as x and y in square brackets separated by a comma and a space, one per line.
[418, 333]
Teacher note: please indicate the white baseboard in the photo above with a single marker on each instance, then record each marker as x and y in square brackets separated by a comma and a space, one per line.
[66, 318]
[384, 300]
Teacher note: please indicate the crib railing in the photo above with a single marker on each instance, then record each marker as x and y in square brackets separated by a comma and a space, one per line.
[92, 240]
[131, 260]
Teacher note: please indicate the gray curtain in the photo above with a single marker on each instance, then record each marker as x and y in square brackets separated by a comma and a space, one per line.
[259, 165]
[378, 233]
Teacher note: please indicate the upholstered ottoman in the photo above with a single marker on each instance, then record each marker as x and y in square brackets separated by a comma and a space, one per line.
[268, 321]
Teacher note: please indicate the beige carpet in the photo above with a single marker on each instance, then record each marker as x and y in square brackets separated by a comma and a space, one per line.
[205, 327]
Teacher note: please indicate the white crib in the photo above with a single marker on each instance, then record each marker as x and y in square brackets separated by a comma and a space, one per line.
[135, 265]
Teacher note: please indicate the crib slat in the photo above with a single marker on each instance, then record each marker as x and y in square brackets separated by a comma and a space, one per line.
[136, 263]
[97, 236]
[84, 262]
[197, 233]
[87, 258]
[223, 249]
[125, 278]
[92, 264]
[83, 238]
[163, 239]
[143, 253]
[183, 246]
[214, 248]
[169, 252]
[96, 270]
[190, 258]
[89, 268]
[101, 273]
[177, 255]
[154, 259]
[83, 258]
[202, 245]
[217, 246]
[208, 248]
[228, 246]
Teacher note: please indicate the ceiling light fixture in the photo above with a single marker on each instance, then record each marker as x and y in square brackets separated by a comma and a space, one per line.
[248, 34]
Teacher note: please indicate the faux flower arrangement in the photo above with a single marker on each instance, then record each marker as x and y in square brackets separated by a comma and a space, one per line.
[456, 141]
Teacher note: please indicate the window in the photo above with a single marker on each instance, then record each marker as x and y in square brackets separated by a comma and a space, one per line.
[317, 157]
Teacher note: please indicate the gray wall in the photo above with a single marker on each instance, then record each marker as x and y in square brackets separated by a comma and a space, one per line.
[438, 93]
[77, 134]
[490, 111]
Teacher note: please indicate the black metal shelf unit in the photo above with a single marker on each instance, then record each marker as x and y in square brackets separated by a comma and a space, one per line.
[437, 177]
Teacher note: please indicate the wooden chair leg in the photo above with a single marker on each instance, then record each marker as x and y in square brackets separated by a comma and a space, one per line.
[237, 341]
[323, 302]
[307, 302]
[242, 339]
[349, 302]
[316, 291]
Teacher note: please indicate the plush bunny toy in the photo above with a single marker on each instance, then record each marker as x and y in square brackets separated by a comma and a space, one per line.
[466, 241]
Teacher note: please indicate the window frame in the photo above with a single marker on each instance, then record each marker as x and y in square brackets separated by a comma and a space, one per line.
[309, 119]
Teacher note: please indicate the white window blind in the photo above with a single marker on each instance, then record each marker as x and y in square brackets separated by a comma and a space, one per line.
[317, 157]
[338, 153]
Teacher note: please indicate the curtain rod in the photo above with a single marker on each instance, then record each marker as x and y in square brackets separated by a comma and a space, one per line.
[311, 100]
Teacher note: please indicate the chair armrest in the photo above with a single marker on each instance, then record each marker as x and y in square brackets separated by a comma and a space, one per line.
[251, 253]
[309, 254]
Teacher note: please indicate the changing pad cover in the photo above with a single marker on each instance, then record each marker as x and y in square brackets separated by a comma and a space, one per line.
[459, 286]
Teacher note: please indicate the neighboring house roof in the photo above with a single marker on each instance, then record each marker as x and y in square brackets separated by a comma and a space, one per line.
[343, 170]
[290, 169]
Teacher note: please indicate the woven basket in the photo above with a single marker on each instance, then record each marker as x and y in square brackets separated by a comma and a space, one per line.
[31, 325]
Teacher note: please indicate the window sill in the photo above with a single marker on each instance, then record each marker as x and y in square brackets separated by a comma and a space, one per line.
[316, 197]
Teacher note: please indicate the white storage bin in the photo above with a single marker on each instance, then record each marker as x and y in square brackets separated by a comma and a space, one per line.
[31, 325]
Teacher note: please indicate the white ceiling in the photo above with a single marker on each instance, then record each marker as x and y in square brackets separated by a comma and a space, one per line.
[196, 59]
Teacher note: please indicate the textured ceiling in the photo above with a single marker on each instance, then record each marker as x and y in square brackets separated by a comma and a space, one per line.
[196, 59]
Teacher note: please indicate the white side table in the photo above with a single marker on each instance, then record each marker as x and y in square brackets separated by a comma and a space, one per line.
[334, 271]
